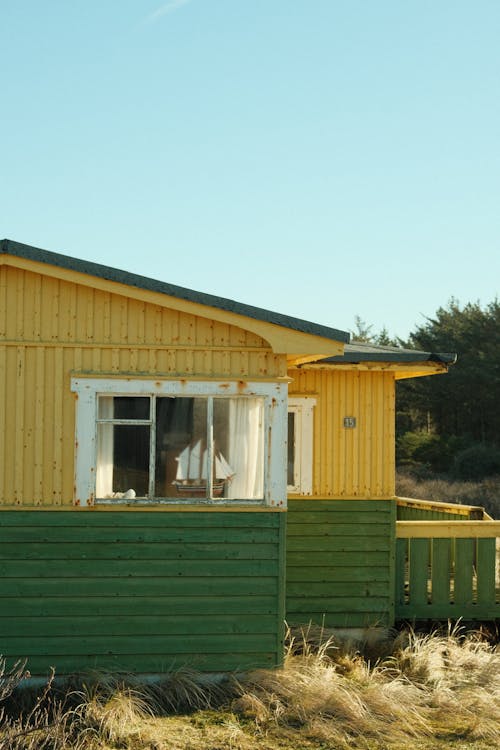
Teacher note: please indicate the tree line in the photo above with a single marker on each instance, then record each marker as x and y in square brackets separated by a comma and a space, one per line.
[451, 423]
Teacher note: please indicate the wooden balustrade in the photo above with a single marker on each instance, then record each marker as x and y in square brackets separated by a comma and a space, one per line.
[448, 570]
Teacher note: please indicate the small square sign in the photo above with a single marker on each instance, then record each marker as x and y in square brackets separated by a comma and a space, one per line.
[349, 421]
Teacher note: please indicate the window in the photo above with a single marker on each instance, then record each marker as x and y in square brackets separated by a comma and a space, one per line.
[300, 445]
[175, 441]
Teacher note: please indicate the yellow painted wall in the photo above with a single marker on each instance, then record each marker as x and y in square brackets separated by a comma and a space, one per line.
[356, 462]
[51, 329]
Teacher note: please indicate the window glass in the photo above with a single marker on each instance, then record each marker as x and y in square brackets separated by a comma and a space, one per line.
[181, 447]
[122, 460]
[123, 407]
[206, 447]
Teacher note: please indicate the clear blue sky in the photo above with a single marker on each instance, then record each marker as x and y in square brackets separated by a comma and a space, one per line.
[321, 158]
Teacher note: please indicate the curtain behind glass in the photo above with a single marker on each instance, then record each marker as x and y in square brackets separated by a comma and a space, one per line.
[246, 448]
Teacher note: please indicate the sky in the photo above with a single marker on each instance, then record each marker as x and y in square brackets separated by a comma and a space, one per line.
[325, 159]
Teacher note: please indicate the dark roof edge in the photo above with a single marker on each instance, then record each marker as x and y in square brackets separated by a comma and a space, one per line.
[356, 353]
[108, 273]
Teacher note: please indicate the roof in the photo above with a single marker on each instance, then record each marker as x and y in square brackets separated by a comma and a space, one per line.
[358, 352]
[9, 247]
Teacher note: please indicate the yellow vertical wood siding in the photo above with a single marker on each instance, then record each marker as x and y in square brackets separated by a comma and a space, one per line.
[51, 329]
[351, 462]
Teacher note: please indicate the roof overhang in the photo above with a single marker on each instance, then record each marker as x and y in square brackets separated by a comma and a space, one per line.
[404, 363]
[301, 341]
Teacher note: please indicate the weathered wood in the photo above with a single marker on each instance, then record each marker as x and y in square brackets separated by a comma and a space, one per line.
[460, 567]
[440, 571]
[401, 567]
[138, 626]
[143, 587]
[174, 550]
[486, 564]
[332, 589]
[464, 560]
[419, 570]
[445, 529]
[339, 559]
[127, 602]
[338, 543]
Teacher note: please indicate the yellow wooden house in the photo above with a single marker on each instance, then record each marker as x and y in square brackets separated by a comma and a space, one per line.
[179, 473]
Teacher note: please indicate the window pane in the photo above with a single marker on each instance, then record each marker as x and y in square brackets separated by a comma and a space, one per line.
[239, 443]
[123, 407]
[291, 449]
[122, 460]
[181, 447]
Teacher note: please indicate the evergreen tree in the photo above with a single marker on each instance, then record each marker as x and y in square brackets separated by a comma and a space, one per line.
[465, 402]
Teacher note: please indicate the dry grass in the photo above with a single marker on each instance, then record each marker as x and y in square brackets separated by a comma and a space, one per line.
[422, 691]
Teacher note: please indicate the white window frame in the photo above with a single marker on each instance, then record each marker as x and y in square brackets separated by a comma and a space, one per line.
[87, 391]
[303, 409]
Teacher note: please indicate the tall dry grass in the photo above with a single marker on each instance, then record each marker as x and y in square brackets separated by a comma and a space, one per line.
[401, 690]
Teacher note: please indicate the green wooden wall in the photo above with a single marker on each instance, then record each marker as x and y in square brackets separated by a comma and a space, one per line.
[340, 562]
[141, 591]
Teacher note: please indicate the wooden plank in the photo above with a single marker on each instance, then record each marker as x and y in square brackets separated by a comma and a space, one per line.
[445, 529]
[338, 543]
[147, 586]
[464, 561]
[117, 605]
[339, 574]
[114, 626]
[100, 551]
[340, 559]
[337, 604]
[23, 535]
[406, 504]
[147, 663]
[421, 514]
[140, 568]
[57, 646]
[140, 517]
[441, 571]
[486, 567]
[350, 529]
[418, 571]
[401, 566]
[451, 612]
[392, 556]
[339, 505]
[281, 603]
[331, 589]
[339, 619]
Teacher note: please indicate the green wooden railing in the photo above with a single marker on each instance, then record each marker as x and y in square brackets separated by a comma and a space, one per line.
[448, 570]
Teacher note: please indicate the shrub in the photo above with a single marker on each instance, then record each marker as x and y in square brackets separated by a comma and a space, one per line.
[427, 450]
[477, 462]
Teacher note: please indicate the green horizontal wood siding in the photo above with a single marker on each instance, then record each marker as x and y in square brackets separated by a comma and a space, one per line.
[340, 562]
[447, 579]
[143, 591]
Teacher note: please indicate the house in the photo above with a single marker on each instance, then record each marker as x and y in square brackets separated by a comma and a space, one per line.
[181, 472]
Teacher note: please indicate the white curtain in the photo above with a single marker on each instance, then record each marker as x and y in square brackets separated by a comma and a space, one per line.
[104, 471]
[246, 448]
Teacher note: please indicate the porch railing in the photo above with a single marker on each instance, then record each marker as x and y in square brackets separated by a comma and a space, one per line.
[448, 570]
